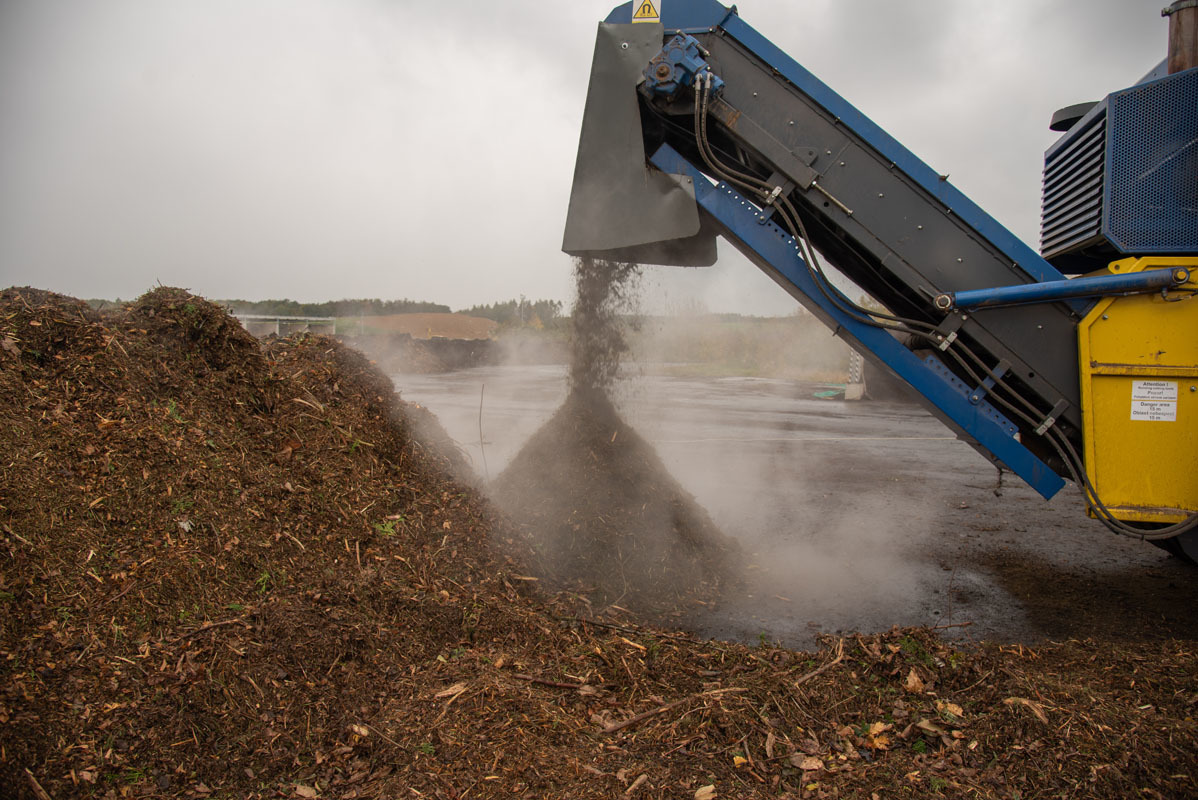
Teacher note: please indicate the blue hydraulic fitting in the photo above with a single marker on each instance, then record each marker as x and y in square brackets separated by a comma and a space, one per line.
[678, 64]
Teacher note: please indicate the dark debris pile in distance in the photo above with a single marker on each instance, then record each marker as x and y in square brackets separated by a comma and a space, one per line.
[233, 571]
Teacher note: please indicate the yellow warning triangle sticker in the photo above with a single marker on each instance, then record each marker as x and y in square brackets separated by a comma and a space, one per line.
[646, 12]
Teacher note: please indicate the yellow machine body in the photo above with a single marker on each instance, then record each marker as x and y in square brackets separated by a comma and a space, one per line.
[1139, 391]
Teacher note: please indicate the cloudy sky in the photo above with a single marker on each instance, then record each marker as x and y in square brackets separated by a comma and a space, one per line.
[320, 149]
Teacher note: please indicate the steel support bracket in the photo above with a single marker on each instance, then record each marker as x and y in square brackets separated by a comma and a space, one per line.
[782, 185]
[992, 377]
[946, 331]
[1050, 420]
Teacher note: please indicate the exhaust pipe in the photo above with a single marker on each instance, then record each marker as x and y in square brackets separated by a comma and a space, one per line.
[1183, 35]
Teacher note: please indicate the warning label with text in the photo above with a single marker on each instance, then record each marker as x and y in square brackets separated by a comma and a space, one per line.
[1154, 401]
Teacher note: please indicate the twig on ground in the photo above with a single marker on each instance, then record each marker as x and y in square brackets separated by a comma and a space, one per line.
[543, 682]
[821, 670]
[382, 735]
[119, 595]
[209, 626]
[634, 720]
[636, 784]
[965, 624]
[38, 791]
[627, 628]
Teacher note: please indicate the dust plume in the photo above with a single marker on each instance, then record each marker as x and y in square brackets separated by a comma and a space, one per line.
[840, 516]
[600, 512]
[796, 347]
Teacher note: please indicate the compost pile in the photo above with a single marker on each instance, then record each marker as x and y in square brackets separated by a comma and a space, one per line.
[604, 518]
[229, 570]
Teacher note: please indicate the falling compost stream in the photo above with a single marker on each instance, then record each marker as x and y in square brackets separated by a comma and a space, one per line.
[598, 517]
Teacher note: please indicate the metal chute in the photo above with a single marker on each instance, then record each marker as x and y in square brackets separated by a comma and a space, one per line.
[620, 208]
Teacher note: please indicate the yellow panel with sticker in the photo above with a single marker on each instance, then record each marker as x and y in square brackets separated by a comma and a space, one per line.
[1139, 385]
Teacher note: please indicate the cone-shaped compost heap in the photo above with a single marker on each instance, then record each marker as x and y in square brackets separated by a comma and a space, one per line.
[599, 508]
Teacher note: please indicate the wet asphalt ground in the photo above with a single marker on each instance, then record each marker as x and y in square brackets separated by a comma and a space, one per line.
[854, 516]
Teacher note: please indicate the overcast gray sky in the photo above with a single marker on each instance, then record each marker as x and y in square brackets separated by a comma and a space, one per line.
[320, 149]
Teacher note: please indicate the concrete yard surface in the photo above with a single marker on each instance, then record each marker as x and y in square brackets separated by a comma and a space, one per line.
[854, 516]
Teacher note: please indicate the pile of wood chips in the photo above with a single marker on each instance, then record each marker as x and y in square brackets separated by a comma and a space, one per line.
[235, 571]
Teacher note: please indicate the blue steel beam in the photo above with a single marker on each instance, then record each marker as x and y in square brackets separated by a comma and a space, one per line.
[1050, 291]
[775, 252]
[696, 16]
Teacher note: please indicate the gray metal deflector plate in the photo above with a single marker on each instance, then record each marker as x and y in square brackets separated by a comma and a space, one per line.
[620, 208]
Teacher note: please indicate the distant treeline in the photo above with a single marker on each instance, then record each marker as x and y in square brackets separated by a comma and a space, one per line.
[511, 312]
[520, 312]
[334, 308]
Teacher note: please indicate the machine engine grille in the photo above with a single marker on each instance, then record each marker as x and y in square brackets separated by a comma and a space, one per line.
[1073, 187]
[1124, 180]
[1153, 166]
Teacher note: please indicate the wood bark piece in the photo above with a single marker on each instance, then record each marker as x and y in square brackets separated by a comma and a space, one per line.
[38, 791]
[825, 667]
[639, 718]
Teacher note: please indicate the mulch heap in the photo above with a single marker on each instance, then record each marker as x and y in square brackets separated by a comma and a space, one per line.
[605, 520]
[234, 571]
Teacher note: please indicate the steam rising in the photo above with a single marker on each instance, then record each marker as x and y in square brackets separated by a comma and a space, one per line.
[827, 518]
[601, 513]
[834, 525]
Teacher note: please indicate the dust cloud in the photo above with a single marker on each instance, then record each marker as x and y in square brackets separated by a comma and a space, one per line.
[733, 506]
[833, 538]
[795, 347]
[600, 512]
